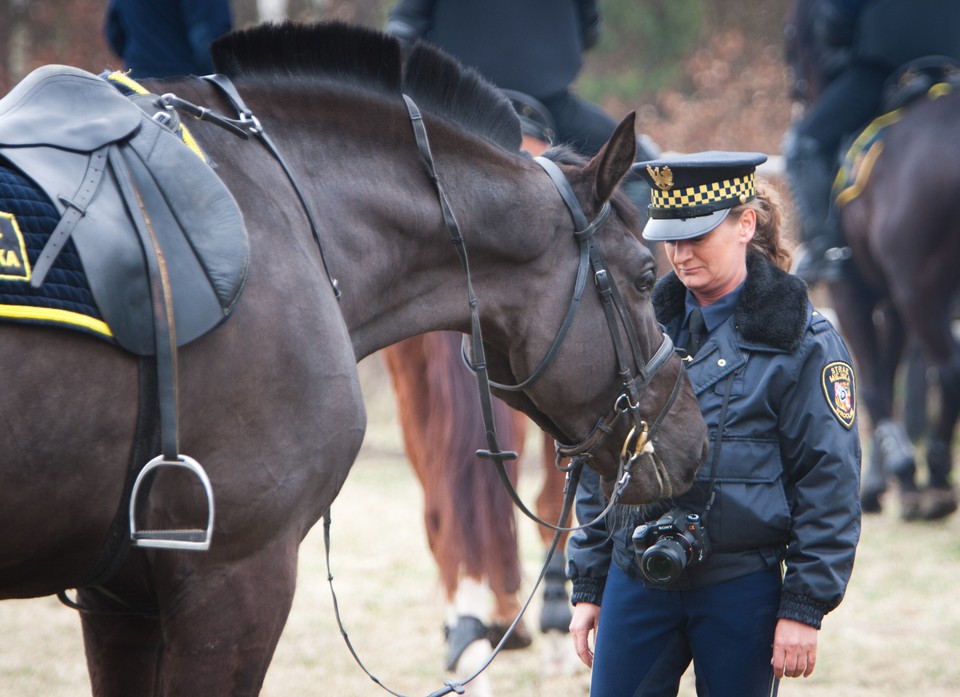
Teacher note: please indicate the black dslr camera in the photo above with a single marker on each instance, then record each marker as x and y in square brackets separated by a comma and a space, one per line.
[666, 547]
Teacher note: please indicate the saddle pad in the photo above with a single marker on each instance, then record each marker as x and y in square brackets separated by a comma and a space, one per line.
[860, 157]
[153, 176]
[27, 217]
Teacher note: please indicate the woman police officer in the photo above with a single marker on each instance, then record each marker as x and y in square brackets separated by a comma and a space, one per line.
[738, 572]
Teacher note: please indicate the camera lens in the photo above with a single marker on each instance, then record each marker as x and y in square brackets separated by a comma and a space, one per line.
[662, 563]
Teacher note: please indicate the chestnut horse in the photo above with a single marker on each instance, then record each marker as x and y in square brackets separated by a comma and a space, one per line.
[468, 514]
[269, 402]
[903, 228]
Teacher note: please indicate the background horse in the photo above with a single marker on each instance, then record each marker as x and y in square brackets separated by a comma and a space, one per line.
[270, 401]
[469, 516]
[904, 231]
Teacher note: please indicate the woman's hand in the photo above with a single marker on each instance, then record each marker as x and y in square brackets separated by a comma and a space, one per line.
[584, 622]
[794, 649]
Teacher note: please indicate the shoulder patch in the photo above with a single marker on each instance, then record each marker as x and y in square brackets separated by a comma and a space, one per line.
[839, 388]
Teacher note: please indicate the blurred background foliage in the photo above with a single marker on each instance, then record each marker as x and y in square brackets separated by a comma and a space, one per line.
[700, 73]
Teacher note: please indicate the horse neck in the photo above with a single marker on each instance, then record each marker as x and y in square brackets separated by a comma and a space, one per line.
[391, 249]
[420, 283]
[380, 222]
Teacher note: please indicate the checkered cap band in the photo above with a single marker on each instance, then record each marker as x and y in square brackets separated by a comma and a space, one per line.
[699, 197]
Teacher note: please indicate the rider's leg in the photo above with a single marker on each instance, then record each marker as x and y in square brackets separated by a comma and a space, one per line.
[810, 150]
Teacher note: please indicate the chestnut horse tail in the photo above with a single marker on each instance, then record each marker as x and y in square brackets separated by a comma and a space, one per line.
[470, 521]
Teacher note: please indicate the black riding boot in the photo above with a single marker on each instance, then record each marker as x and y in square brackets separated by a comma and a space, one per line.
[810, 175]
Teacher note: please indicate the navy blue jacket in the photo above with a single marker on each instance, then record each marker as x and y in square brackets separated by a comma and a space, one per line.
[788, 474]
[165, 38]
[532, 46]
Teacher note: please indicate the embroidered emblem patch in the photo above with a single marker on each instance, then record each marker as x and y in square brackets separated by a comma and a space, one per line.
[839, 387]
[14, 264]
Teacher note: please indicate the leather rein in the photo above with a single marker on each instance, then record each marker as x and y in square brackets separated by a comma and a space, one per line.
[626, 405]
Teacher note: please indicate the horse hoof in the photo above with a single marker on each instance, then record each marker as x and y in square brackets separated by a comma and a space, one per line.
[910, 506]
[870, 502]
[520, 638]
[555, 615]
[937, 503]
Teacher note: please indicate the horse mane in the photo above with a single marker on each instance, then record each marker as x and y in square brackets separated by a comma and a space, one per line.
[345, 53]
[362, 57]
[444, 87]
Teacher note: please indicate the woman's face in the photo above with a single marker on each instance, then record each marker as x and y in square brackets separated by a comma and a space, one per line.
[714, 264]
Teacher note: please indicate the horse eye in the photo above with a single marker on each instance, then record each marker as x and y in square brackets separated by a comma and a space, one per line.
[645, 281]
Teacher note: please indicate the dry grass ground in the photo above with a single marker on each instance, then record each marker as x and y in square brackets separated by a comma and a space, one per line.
[896, 633]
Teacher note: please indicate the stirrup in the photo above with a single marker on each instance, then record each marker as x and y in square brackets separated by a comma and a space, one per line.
[187, 539]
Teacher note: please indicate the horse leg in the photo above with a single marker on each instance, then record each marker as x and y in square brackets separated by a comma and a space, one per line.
[124, 652]
[939, 500]
[210, 639]
[877, 350]
[469, 519]
[555, 614]
[915, 394]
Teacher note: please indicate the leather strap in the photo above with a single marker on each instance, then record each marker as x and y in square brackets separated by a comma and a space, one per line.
[249, 123]
[162, 302]
[76, 208]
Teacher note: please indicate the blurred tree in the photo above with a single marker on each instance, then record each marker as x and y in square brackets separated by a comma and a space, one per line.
[58, 31]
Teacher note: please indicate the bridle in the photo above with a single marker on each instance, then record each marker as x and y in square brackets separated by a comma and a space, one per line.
[626, 404]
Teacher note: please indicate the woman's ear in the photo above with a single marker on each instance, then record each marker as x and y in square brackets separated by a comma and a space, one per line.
[747, 224]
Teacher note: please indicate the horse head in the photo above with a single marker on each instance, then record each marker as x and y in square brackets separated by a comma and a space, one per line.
[438, 160]
[615, 394]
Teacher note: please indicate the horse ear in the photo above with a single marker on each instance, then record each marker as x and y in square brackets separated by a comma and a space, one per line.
[615, 158]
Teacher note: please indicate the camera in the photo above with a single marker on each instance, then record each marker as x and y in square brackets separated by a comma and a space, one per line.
[666, 547]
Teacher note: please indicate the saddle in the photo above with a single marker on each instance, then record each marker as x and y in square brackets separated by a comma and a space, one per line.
[929, 77]
[160, 239]
[131, 197]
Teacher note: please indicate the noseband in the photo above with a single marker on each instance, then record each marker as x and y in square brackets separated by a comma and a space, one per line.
[626, 404]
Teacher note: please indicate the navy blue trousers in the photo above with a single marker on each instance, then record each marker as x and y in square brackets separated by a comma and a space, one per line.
[647, 637]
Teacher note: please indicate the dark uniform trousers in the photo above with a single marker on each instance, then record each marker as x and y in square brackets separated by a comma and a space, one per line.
[647, 636]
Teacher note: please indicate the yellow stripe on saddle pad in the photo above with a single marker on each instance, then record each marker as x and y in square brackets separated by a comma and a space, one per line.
[863, 154]
[48, 314]
[124, 79]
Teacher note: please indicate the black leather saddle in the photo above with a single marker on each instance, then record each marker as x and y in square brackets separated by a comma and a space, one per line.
[132, 197]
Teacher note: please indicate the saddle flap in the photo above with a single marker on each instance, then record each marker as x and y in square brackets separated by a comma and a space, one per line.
[67, 108]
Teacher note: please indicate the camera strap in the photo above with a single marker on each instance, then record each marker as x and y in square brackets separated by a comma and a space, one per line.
[717, 442]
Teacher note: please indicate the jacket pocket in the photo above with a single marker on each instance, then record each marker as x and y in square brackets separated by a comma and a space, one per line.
[751, 509]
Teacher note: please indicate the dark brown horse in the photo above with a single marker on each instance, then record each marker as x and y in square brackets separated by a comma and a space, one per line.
[270, 402]
[903, 227]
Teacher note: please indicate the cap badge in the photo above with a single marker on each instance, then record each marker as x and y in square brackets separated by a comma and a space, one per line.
[662, 176]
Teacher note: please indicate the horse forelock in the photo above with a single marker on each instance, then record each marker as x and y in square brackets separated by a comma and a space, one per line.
[442, 86]
[346, 53]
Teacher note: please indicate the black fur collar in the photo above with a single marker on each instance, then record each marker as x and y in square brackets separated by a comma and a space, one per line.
[772, 309]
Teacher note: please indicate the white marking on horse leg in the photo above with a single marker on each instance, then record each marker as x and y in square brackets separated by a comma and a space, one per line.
[472, 659]
[472, 599]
